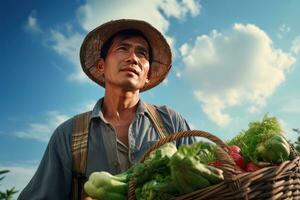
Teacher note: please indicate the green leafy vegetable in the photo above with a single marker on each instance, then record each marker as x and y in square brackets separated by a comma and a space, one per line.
[202, 151]
[103, 185]
[159, 188]
[258, 133]
[189, 174]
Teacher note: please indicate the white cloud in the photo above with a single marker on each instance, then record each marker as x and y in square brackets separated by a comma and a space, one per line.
[282, 30]
[18, 177]
[22, 171]
[171, 41]
[252, 109]
[68, 45]
[213, 106]
[93, 13]
[86, 106]
[184, 49]
[43, 131]
[234, 67]
[179, 9]
[296, 45]
[32, 23]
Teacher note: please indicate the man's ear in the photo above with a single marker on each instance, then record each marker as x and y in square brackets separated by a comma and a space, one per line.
[147, 80]
[100, 65]
[148, 77]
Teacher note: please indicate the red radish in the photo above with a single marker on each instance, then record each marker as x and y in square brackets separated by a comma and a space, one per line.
[238, 159]
[251, 167]
[235, 149]
[234, 152]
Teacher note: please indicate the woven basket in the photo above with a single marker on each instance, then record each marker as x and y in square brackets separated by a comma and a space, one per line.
[276, 182]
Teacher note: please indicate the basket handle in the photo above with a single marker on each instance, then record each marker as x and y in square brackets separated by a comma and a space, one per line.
[228, 165]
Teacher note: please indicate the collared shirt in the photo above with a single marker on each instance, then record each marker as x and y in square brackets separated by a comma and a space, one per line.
[123, 152]
[53, 178]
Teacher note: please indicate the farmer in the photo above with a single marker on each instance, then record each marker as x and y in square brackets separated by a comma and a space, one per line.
[125, 57]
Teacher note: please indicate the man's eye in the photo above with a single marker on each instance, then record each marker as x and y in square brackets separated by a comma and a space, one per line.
[143, 54]
[122, 48]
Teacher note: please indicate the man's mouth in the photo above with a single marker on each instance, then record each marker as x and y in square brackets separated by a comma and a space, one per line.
[130, 69]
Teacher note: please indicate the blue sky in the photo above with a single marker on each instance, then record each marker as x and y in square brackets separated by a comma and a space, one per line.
[233, 63]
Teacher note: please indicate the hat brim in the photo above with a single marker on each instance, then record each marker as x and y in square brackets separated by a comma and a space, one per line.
[93, 42]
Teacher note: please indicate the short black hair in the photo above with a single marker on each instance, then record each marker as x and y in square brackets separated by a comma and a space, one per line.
[124, 34]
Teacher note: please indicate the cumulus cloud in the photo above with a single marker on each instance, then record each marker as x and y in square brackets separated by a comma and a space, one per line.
[18, 177]
[282, 30]
[296, 45]
[43, 131]
[85, 106]
[68, 45]
[234, 67]
[93, 13]
[179, 9]
[32, 23]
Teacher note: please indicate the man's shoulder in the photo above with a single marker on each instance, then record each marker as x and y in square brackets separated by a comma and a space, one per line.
[166, 110]
[65, 129]
[171, 117]
[174, 122]
[68, 124]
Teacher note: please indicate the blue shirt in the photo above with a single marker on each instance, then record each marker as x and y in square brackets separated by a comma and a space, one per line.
[53, 177]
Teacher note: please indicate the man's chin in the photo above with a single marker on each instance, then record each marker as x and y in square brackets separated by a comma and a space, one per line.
[129, 86]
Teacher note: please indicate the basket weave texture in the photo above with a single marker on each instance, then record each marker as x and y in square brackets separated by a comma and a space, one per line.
[275, 182]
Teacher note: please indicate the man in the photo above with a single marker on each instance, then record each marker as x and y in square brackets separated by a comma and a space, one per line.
[126, 57]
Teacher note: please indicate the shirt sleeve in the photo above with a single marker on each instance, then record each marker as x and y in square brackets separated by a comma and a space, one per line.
[52, 179]
[182, 125]
[174, 122]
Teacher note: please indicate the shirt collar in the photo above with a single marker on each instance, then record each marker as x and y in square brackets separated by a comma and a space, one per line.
[97, 110]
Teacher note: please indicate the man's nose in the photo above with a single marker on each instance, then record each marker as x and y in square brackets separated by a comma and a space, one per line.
[132, 57]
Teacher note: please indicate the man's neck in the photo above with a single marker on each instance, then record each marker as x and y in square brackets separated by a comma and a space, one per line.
[119, 105]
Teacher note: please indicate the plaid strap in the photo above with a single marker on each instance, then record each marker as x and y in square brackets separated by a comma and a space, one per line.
[156, 120]
[79, 153]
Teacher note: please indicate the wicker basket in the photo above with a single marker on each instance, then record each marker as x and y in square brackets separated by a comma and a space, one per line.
[276, 182]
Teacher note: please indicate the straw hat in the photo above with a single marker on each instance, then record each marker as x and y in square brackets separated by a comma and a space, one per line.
[93, 42]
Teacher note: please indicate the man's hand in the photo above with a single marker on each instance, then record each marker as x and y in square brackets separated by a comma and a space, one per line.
[88, 198]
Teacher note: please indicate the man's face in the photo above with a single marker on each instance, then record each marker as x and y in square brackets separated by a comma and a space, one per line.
[126, 65]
